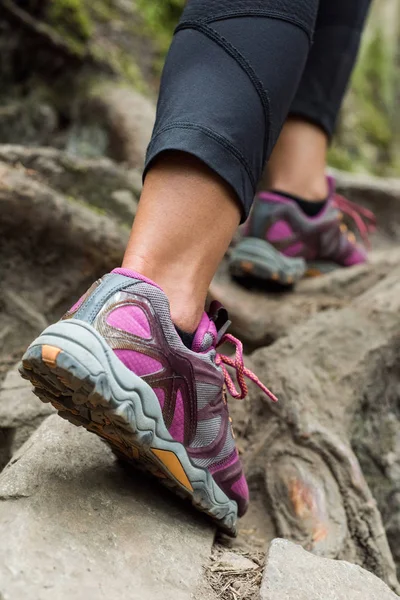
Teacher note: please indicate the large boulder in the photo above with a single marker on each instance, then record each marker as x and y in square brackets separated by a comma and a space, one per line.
[291, 573]
[76, 524]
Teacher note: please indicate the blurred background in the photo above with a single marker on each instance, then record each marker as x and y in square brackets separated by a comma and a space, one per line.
[67, 67]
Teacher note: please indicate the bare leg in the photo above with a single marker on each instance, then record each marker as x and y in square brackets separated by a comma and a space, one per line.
[298, 161]
[186, 219]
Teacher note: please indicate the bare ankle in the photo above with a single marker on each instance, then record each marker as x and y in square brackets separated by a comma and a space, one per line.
[186, 299]
[186, 318]
[185, 221]
[298, 162]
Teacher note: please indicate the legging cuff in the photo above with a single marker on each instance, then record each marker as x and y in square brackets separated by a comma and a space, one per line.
[317, 115]
[212, 149]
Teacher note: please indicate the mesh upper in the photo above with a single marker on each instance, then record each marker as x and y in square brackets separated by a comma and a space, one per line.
[132, 345]
[160, 304]
[206, 432]
[226, 451]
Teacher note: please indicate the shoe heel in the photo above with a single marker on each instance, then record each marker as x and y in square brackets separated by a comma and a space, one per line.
[259, 259]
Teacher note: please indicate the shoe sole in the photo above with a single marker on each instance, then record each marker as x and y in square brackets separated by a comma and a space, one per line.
[257, 258]
[71, 366]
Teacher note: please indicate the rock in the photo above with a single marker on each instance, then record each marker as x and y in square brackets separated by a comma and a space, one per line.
[98, 182]
[6, 443]
[125, 201]
[54, 57]
[76, 524]
[204, 591]
[52, 249]
[391, 516]
[231, 561]
[20, 411]
[291, 573]
[24, 310]
[330, 374]
[125, 115]
[29, 122]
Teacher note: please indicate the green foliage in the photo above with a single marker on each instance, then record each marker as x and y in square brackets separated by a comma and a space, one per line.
[160, 18]
[71, 19]
[366, 137]
[373, 90]
[103, 10]
[80, 21]
[122, 64]
[340, 158]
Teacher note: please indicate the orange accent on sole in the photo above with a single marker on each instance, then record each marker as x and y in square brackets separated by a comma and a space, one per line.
[275, 276]
[313, 273]
[49, 355]
[247, 266]
[171, 461]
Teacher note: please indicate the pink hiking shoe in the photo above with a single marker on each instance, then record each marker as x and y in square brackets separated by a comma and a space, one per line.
[116, 365]
[281, 243]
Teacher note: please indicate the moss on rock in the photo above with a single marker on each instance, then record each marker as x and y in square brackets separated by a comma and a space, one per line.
[367, 137]
[71, 19]
[160, 18]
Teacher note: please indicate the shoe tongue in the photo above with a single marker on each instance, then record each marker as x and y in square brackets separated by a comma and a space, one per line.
[211, 328]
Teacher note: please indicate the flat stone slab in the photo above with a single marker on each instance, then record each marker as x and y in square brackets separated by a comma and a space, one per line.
[291, 573]
[76, 524]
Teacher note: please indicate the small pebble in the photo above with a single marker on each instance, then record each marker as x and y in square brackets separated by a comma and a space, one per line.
[236, 562]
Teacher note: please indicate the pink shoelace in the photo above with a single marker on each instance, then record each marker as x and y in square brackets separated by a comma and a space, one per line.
[241, 371]
[363, 218]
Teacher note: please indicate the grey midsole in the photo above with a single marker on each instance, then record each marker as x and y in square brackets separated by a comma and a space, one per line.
[84, 344]
[264, 255]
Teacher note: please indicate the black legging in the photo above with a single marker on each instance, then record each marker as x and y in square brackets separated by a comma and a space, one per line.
[237, 68]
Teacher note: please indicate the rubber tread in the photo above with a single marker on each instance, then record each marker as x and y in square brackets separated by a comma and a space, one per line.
[261, 260]
[90, 387]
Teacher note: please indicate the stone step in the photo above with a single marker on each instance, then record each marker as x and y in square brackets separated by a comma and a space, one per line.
[76, 524]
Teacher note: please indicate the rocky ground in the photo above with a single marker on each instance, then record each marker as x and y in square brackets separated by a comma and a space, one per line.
[323, 465]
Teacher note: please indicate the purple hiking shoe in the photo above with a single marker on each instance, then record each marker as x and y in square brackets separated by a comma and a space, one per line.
[282, 244]
[116, 365]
